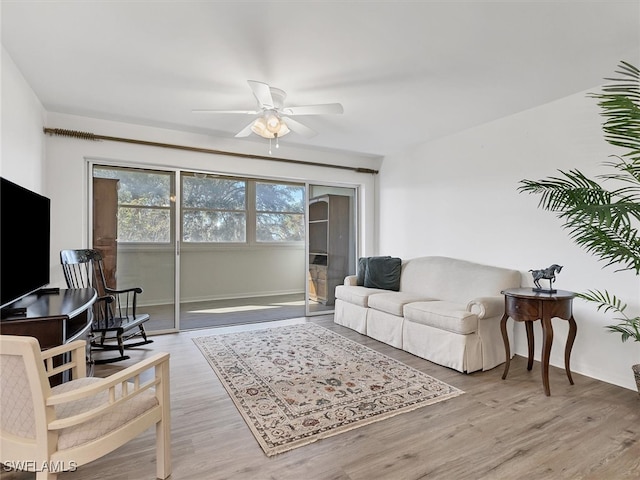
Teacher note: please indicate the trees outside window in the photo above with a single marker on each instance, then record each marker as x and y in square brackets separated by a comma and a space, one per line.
[215, 209]
[279, 212]
[144, 204]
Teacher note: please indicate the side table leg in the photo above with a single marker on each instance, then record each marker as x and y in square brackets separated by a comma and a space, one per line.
[567, 350]
[530, 343]
[547, 334]
[505, 339]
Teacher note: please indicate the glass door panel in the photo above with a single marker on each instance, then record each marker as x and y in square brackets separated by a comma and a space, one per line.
[242, 250]
[331, 244]
[213, 232]
[133, 226]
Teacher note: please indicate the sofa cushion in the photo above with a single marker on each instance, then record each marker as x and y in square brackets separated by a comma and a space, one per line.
[452, 317]
[455, 280]
[356, 295]
[383, 272]
[392, 302]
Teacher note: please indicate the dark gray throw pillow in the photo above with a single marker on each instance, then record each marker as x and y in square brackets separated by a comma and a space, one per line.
[362, 269]
[383, 272]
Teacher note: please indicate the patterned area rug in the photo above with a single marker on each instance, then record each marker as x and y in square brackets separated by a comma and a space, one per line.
[297, 384]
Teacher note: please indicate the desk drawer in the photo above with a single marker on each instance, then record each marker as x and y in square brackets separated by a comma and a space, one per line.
[522, 309]
[561, 309]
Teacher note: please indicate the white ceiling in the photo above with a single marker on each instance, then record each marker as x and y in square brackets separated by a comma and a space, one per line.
[405, 72]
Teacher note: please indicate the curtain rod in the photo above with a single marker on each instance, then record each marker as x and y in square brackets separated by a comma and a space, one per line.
[91, 136]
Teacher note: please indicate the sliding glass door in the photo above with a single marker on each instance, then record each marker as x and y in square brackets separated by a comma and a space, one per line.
[133, 220]
[241, 250]
[331, 244]
[212, 250]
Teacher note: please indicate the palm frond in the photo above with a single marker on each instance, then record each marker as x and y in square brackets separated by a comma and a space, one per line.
[572, 189]
[629, 327]
[615, 247]
[604, 300]
[577, 199]
[620, 106]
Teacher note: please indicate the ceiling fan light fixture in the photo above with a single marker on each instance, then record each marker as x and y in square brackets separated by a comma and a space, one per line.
[270, 126]
[259, 127]
[283, 129]
[273, 123]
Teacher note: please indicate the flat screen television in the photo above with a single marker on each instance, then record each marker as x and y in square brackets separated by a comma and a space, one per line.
[24, 241]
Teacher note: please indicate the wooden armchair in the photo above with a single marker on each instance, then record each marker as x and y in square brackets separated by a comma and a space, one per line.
[54, 429]
[115, 314]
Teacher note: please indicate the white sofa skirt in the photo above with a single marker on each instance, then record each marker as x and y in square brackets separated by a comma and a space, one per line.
[460, 352]
[481, 350]
[385, 327]
[493, 353]
[351, 316]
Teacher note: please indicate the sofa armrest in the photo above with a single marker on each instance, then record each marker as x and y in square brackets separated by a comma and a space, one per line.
[351, 280]
[487, 306]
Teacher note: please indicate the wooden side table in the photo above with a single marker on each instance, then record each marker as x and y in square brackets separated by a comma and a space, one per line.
[525, 305]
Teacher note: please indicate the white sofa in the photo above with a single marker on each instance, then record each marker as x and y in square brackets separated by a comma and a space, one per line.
[447, 311]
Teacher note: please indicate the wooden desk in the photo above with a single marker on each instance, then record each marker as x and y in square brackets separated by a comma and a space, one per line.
[54, 319]
[525, 305]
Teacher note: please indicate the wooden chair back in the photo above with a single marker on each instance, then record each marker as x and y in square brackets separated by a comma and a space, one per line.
[83, 269]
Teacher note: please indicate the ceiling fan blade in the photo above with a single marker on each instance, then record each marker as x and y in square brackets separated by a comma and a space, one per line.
[299, 128]
[245, 112]
[246, 131]
[262, 92]
[322, 109]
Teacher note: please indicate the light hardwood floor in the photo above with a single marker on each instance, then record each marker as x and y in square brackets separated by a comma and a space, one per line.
[498, 429]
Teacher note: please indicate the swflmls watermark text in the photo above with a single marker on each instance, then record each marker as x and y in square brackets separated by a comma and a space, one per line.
[35, 466]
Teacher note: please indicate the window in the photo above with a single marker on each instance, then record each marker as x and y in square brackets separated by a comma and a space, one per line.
[214, 209]
[144, 204]
[279, 212]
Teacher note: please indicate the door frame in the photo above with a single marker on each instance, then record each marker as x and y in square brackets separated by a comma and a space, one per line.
[354, 247]
[92, 162]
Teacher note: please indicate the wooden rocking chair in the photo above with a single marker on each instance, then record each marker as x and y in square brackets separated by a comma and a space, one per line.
[115, 314]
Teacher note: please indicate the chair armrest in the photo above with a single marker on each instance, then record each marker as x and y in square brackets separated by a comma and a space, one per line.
[129, 373]
[59, 350]
[130, 382]
[125, 299]
[351, 280]
[487, 306]
[76, 362]
[106, 299]
[114, 291]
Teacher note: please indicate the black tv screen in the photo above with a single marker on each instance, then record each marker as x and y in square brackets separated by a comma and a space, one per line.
[24, 241]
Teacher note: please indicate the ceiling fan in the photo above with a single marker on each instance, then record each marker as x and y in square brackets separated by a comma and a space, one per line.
[274, 120]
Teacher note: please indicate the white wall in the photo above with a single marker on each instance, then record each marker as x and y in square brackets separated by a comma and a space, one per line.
[21, 139]
[458, 197]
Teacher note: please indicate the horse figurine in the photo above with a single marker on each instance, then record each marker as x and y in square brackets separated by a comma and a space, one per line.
[546, 274]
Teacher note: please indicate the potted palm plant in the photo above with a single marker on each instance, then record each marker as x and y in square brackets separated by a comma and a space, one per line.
[605, 221]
